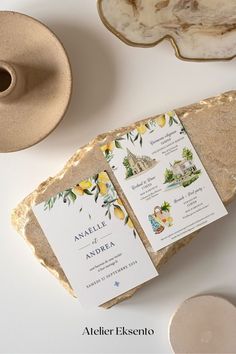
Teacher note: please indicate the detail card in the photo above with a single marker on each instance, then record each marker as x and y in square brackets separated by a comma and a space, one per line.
[164, 180]
[95, 241]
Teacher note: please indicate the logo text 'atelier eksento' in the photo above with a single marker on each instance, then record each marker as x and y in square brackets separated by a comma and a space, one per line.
[118, 331]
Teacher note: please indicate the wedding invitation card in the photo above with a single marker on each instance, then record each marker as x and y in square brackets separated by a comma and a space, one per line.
[164, 180]
[95, 241]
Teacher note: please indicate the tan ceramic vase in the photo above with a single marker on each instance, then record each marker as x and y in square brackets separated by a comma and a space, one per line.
[35, 81]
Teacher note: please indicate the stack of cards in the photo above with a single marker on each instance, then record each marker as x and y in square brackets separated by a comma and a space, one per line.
[169, 192]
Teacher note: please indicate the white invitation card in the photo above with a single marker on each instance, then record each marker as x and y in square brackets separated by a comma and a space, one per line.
[164, 180]
[95, 241]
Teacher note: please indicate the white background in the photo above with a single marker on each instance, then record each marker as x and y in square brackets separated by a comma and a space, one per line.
[114, 85]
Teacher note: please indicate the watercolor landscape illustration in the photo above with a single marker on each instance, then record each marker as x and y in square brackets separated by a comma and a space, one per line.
[135, 165]
[182, 172]
[136, 136]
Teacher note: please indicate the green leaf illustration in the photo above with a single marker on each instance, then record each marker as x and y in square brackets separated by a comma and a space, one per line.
[117, 144]
[141, 141]
[72, 196]
[86, 191]
[126, 219]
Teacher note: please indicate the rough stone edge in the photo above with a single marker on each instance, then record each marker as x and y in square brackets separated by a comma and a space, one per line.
[20, 218]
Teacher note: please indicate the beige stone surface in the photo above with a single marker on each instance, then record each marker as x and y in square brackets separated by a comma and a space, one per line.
[197, 29]
[211, 126]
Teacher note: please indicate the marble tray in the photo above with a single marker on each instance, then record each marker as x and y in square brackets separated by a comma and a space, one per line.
[197, 29]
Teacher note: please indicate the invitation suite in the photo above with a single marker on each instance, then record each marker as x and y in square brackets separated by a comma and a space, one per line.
[164, 180]
[95, 241]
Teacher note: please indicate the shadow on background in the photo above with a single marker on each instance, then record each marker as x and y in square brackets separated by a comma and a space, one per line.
[94, 82]
[190, 268]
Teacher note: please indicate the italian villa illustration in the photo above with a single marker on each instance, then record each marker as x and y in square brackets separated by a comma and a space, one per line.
[183, 167]
[135, 165]
[182, 172]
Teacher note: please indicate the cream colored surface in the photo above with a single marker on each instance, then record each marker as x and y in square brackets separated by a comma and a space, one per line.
[41, 81]
[216, 115]
[196, 28]
[114, 85]
[204, 324]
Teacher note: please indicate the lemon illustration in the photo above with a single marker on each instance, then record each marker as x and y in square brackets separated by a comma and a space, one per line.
[161, 121]
[119, 213]
[85, 184]
[141, 129]
[171, 113]
[119, 201]
[102, 188]
[103, 177]
[108, 147]
[78, 190]
[130, 224]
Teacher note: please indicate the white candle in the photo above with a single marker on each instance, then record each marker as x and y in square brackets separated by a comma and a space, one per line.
[204, 324]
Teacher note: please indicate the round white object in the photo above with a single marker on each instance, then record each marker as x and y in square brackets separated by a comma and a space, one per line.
[204, 324]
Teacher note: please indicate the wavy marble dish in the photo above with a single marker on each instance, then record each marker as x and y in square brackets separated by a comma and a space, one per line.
[211, 125]
[197, 29]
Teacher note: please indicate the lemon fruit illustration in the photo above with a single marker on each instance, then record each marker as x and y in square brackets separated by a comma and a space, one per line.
[119, 201]
[78, 190]
[119, 213]
[130, 224]
[141, 129]
[103, 188]
[85, 184]
[108, 147]
[161, 121]
[103, 177]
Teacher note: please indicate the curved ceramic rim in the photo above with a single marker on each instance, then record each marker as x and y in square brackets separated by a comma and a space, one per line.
[153, 44]
[70, 79]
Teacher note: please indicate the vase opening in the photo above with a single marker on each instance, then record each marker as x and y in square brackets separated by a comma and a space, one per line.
[5, 79]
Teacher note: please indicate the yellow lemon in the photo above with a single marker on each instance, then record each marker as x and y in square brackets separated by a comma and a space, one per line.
[141, 129]
[103, 188]
[78, 190]
[108, 147]
[130, 224]
[85, 184]
[104, 147]
[103, 177]
[119, 201]
[161, 121]
[119, 213]
[171, 114]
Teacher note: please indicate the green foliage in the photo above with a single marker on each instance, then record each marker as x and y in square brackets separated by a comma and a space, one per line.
[187, 154]
[117, 144]
[129, 171]
[165, 206]
[169, 176]
[189, 181]
[172, 120]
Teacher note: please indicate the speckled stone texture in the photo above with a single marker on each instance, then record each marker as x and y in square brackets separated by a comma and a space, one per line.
[211, 126]
[38, 92]
[198, 29]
